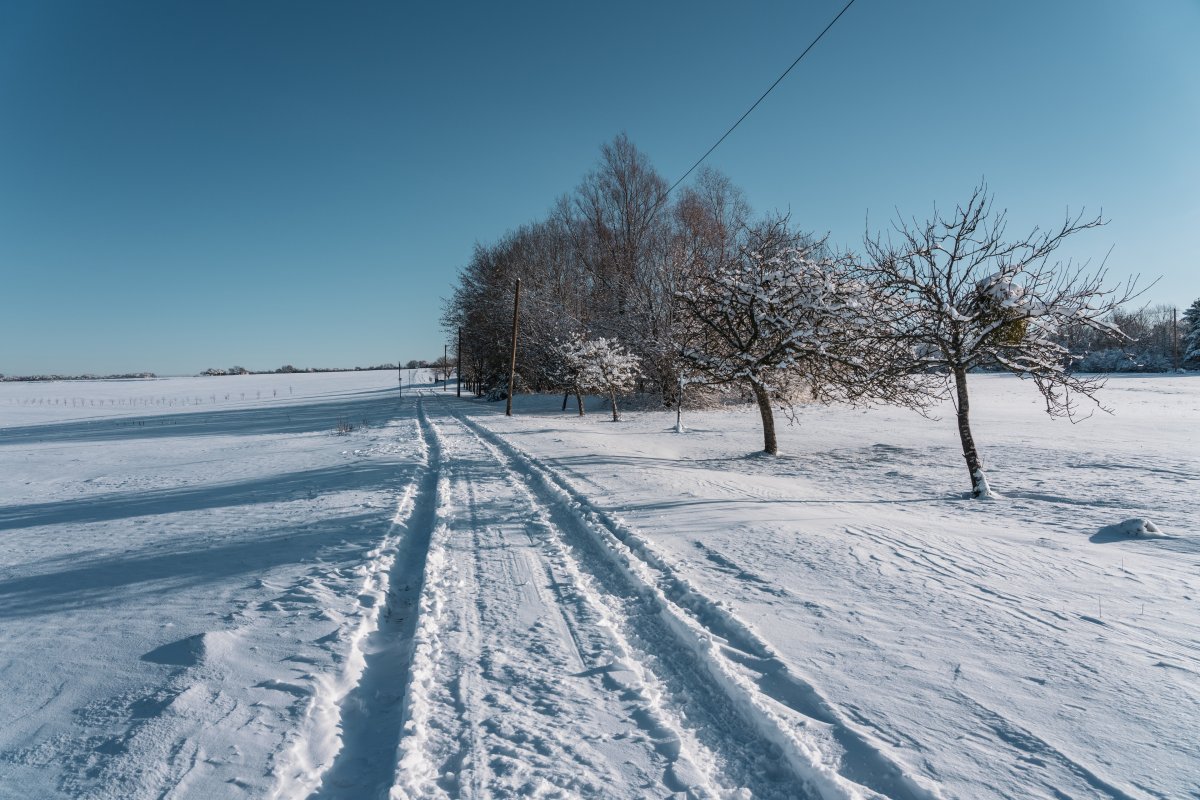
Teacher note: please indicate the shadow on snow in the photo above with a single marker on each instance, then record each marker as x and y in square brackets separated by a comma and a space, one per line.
[271, 489]
[164, 569]
[378, 407]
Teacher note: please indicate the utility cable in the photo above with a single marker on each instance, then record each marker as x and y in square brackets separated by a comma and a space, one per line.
[756, 102]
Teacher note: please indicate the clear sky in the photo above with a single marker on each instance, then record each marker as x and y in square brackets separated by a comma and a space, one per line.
[186, 185]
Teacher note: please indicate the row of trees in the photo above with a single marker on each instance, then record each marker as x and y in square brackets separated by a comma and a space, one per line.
[85, 377]
[698, 291]
[289, 369]
[602, 264]
[1160, 339]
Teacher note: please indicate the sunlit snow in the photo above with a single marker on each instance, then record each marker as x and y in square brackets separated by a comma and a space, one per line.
[294, 586]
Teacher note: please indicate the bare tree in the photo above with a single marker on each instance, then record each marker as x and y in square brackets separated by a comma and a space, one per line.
[443, 367]
[958, 294]
[620, 228]
[619, 220]
[711, 224]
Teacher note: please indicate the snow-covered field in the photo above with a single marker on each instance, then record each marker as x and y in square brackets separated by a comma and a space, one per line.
[207, 591]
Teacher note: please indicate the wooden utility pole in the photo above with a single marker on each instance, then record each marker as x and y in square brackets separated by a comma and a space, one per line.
[512, 366]
[458, 366]
[400, 378]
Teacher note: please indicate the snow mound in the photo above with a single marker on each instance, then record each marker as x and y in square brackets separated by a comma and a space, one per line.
[1138, 527]
[192, 650]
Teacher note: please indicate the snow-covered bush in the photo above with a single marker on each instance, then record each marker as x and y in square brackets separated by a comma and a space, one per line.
[1110, 359]
[1142, 528]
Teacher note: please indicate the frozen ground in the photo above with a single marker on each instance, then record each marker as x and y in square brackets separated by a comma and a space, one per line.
[207, 592]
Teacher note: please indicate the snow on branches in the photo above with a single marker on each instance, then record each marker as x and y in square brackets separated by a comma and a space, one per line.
[1191, 336]
[957, 294]
[782, 316]
[597, 365]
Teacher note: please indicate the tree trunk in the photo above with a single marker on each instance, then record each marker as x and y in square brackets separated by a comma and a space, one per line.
[566, 397]
[612, 397]
[579, 402]
[770, 445]
[974, 467]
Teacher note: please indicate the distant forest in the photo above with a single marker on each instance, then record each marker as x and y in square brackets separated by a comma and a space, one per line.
[285, 369]
[1164, 338]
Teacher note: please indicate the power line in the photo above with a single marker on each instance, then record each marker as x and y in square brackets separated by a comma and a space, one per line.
[759, 100]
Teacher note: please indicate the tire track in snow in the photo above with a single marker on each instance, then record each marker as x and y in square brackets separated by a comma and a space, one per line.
[415, 774]
[352, 724]
[739, 754]
[471, 750]
[517, 692]
[820, 746]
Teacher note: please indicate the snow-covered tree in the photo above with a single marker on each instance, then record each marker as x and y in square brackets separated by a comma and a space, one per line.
[598, 365]
[782, 318]
[571, 371]
[611, 369]
[958, 294]
[1190, 344]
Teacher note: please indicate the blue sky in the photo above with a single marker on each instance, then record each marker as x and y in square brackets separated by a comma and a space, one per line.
[196, 184]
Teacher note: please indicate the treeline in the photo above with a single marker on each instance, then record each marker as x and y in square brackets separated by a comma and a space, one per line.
[605, 263]
[623, 286]
[1161, 339]
[288, 369]
[613, 257]
[87, 377]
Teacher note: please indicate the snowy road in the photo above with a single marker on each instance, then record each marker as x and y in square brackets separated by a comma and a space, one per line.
[522, 686]
[545, 663]
[235, 601]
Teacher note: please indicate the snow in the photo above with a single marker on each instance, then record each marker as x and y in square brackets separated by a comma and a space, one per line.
[1134, 527]
[1000, 288]
[983, 490]
[211, 595]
